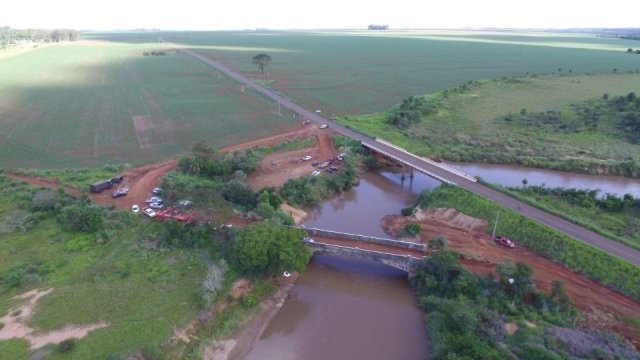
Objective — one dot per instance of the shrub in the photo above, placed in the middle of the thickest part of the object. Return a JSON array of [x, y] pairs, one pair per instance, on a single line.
[[408, 211], [240, 194], [412, 229], [66, 346]]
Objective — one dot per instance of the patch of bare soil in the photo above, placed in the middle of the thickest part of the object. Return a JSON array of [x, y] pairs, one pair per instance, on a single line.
[[601, 307], [16, 319], [276, 169], [299, 216]]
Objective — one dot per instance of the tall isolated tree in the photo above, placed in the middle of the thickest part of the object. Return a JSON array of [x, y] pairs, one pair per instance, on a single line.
[[262, 60]]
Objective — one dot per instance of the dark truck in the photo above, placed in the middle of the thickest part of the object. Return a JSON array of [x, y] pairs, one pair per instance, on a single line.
[[98, 186]]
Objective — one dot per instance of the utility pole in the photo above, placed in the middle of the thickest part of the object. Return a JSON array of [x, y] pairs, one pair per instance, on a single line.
[[495, 225]]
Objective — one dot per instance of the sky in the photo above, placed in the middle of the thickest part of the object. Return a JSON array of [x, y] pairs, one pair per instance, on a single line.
[[325, 14]]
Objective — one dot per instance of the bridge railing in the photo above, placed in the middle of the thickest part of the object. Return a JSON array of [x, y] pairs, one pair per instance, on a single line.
[[424, 171], [367, 239], [441, 166], [402, 262]]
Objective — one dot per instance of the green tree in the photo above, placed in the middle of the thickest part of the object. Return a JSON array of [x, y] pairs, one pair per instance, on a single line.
[[239, 193], [86, 217], [264, 247], [262, 60]]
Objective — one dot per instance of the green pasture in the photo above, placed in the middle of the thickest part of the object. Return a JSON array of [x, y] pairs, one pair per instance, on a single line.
[[360, 72], [76, 105], [468, 125], [142, 292]]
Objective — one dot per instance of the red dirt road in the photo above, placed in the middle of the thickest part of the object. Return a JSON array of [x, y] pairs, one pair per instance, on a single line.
[[601, 307], [140, 181]]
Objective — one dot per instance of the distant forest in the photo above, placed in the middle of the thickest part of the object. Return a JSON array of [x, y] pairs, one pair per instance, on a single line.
[[11, 37]]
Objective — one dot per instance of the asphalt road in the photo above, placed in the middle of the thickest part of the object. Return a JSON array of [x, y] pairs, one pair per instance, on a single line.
[[624, 252]]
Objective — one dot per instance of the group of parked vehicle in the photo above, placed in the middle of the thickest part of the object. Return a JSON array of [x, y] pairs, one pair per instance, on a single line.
[[325, 164]]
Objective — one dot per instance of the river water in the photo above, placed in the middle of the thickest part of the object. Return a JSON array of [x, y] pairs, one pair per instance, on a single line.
[[507, 175], [353, 309], [346, 309]]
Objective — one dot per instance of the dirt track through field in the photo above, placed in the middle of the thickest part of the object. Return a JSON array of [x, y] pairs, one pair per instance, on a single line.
[[602, 308]]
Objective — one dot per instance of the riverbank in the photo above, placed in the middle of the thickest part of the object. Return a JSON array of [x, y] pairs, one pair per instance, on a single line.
[[251, 329], [601, 307]]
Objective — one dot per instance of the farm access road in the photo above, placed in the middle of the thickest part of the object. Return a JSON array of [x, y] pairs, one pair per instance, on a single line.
[[589, 237]]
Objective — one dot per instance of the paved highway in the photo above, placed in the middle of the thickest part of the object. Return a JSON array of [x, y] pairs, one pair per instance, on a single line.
[[624, 252]]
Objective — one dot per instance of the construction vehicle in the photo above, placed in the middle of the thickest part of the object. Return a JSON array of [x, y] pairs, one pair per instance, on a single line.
[[98, 186]]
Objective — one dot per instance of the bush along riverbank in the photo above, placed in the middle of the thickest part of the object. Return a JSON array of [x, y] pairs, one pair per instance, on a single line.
[[597, 265], [502, 316]]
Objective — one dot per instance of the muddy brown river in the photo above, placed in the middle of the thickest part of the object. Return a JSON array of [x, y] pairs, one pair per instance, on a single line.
[[344, 308]]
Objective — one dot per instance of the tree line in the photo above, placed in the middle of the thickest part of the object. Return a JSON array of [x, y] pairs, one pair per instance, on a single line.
[[9, 37]]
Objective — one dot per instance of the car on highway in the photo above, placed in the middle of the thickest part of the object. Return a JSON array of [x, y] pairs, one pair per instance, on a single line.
[[324, 126], [306, 158], [149, 212], [504, 241], [119, 192]]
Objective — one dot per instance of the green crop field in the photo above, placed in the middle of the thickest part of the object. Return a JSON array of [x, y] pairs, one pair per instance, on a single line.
[[94, 103], [359, 72], [101, 101]]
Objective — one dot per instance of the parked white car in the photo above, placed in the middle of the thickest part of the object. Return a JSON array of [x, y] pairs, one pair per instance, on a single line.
[[315, 173], [306, 158], [135, 209], [149, 212], [324, 126]]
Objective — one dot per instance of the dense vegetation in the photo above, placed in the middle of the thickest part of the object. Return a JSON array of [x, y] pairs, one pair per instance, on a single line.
[[10, 36], [466, 314], [109, 265], [587, 124], [309, 190], [611, 216], [577, 256], [209, 174]]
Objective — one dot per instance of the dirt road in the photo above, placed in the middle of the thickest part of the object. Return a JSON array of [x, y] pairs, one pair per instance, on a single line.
[[140, 181], [601, 307]]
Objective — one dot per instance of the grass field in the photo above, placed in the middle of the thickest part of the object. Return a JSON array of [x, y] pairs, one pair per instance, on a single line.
[[141, 292], [360, 72], [122, 275], [98, 102], [94, 103], [467, 125]]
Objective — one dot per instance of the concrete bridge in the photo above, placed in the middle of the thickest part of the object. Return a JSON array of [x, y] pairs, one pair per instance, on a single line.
[[403, 255], [436, 170], [403, 262]]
